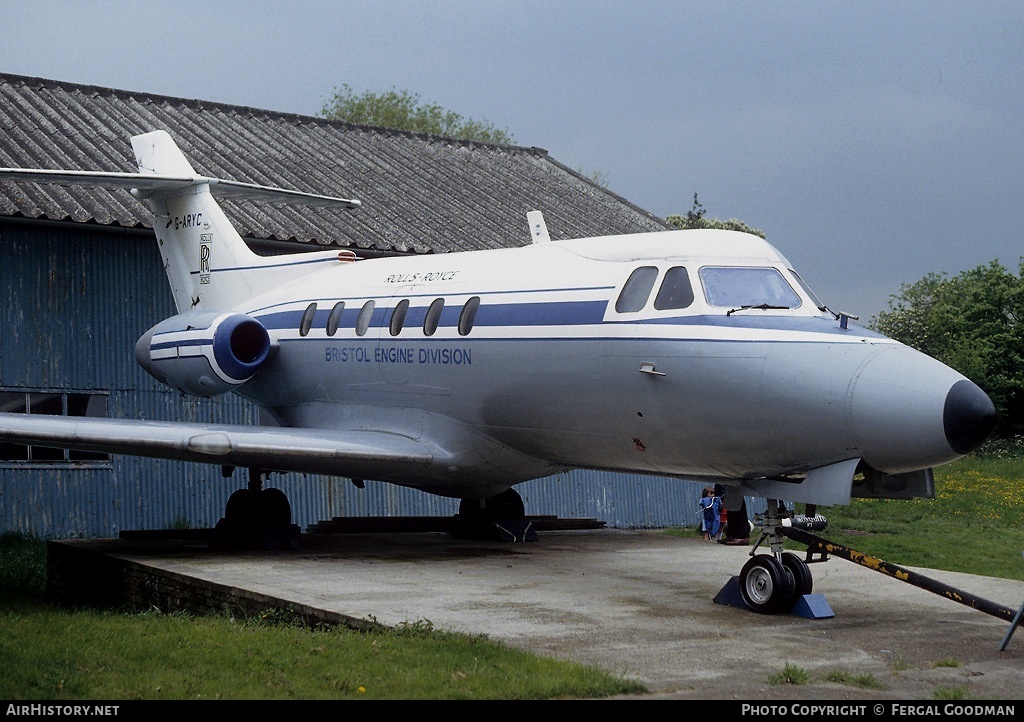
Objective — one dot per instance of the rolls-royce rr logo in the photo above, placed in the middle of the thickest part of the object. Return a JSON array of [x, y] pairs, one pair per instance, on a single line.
[[205, 242]]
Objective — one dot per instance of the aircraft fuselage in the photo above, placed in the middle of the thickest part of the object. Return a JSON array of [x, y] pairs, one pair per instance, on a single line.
[[551, 369]]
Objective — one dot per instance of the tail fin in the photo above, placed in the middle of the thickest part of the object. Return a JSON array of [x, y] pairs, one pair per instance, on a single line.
[[208, 264], [197, 242], [157, 154]]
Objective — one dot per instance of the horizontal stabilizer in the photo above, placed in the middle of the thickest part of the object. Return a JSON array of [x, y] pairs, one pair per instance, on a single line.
[[144, 185]]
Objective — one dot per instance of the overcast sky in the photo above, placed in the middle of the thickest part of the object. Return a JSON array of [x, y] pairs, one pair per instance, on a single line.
[[873, 142]]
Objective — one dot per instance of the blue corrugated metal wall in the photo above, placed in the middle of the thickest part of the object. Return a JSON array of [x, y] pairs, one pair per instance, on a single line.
[[628, 501], [75, 302]]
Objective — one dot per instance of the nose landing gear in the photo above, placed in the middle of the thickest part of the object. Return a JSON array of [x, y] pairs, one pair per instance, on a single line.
[[772, 583]]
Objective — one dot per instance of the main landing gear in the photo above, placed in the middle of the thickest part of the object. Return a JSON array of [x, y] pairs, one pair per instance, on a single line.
[[772, 583], [501, 518], [255, 517]]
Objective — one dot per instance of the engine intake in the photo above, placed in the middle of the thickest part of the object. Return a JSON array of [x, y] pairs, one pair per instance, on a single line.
[[204, 354]]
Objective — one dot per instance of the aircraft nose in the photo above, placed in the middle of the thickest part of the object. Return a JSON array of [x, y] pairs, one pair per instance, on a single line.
[[968, 416], [908, 411]]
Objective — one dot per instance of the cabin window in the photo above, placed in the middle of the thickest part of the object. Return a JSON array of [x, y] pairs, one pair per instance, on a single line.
[[307, 319], [468, 315], [398, 317], [747, 287], [334, 319], [675, 291], [433, 317], [637, 289], [55, 403], [365, 314]]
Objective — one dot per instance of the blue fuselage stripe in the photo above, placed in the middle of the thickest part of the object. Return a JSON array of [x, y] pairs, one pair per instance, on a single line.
[[159, 345], [551, 313]]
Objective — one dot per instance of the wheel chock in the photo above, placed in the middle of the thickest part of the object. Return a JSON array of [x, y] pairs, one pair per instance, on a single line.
[[514, 530], [809, 606], [812, 606], [730, 595]]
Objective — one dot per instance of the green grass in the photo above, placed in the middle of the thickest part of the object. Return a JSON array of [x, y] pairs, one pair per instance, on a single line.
[[64, 654], [52, 653], [862, 681], [973, 525], [56, 653], [796, 675], [790, 674]]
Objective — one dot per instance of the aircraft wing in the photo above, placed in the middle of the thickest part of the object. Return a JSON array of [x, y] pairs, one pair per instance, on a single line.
[[317, 451]]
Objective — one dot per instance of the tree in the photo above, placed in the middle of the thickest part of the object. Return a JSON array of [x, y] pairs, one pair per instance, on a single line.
[[596, 177], [694, 218], [972, 322], [405, 111]]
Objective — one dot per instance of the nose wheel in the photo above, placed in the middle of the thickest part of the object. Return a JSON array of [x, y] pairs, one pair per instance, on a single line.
[[769, 585], [772, 583], [803, 583], [766, 585]]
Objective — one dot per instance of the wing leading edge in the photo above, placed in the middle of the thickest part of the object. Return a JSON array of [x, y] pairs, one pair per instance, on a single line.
[[357, 453]]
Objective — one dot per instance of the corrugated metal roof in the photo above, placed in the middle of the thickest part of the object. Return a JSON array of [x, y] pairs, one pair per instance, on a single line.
[[420, 193]]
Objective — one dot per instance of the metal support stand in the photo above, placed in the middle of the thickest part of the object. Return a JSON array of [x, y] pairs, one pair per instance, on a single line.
[[1013, 625]]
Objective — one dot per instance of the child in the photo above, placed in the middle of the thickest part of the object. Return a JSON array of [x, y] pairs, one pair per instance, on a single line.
[[711, 506]]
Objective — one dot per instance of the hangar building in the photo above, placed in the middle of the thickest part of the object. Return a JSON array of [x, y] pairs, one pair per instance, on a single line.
[[82, 280]]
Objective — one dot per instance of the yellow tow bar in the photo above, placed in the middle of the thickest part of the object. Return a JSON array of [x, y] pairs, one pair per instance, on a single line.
[[824, 547]]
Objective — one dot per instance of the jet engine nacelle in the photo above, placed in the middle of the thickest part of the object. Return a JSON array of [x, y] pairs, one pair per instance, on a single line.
[[204, 354]]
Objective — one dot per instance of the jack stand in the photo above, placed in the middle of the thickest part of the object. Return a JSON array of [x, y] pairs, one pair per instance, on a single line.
[[1013, 625]]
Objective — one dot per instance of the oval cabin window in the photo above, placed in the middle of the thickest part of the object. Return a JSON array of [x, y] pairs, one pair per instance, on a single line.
[[307, 319], [433, 317], [398, 317], [468, 316], [334, 319], [365, 314]]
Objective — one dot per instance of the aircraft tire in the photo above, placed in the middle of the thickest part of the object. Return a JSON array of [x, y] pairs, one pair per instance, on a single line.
[[507, 505], [258, 508], [240, 506], [274, 508], [804, 582], [766, 585]]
